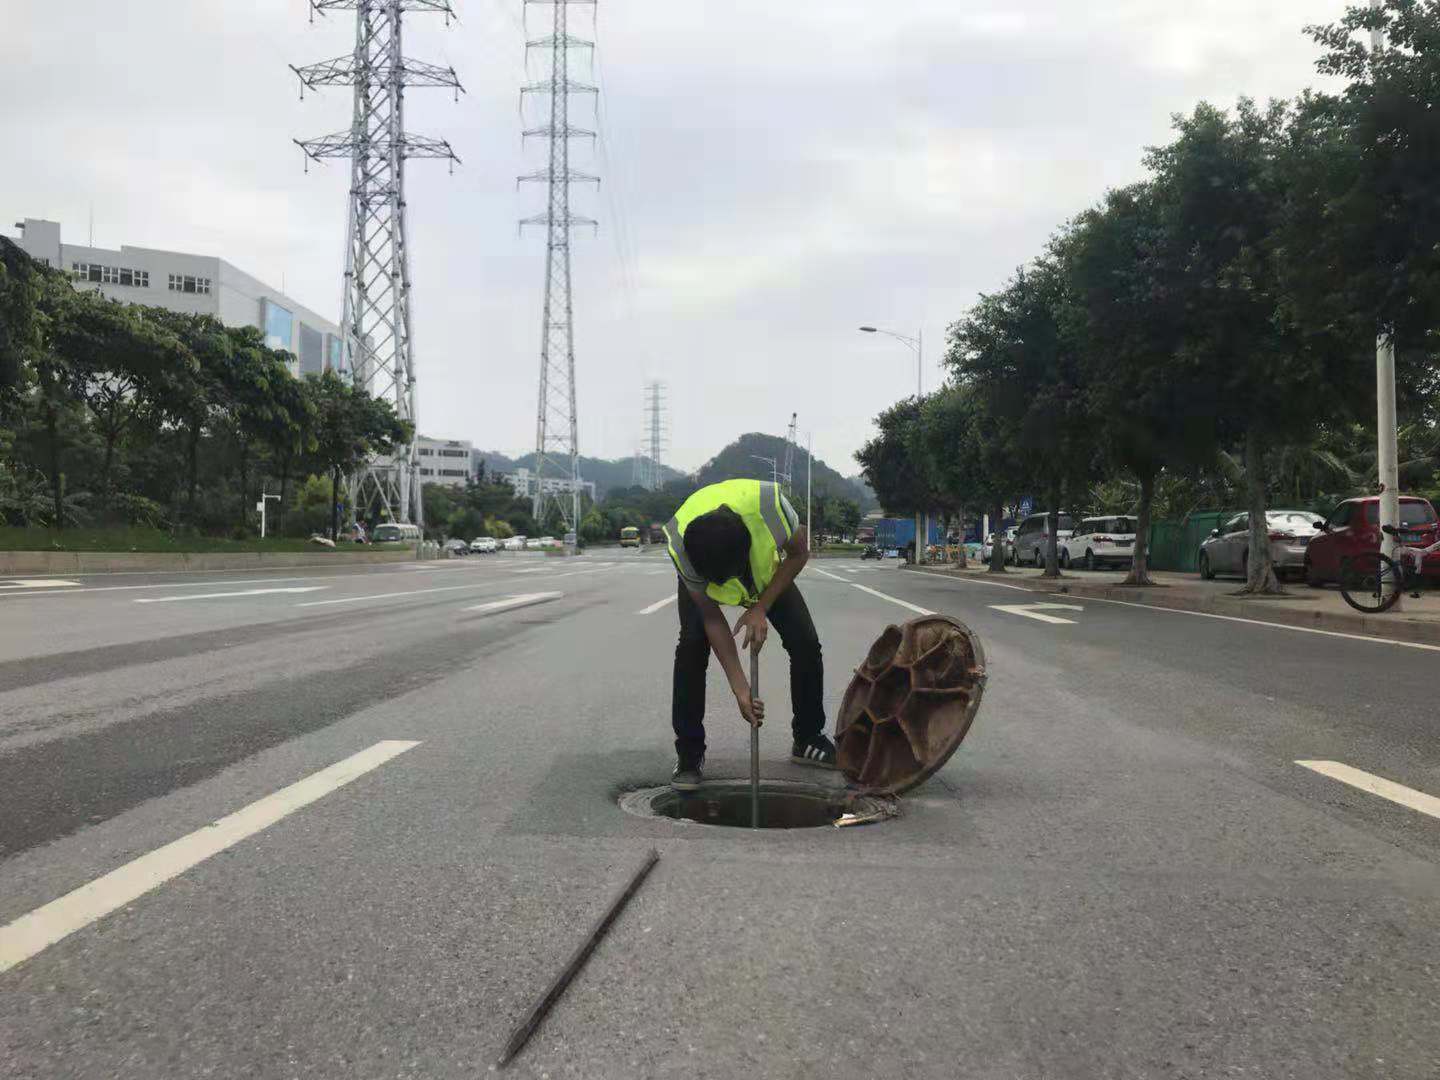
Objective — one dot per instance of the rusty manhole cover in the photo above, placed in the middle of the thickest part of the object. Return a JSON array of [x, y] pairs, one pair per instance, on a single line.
[[910, 704]]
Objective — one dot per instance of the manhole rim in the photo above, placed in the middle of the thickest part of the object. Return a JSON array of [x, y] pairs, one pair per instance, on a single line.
[[876, 807]]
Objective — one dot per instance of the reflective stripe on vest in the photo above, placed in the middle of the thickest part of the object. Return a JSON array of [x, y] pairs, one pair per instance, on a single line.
[[757, 503]]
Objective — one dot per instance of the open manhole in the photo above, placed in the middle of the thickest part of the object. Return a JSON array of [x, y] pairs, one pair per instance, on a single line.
[[783, 805]]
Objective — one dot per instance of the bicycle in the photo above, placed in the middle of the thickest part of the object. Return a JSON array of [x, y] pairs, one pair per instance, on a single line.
[[1373, 581]]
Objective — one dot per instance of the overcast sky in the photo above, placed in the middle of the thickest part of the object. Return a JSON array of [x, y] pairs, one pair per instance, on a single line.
[[774, 176]]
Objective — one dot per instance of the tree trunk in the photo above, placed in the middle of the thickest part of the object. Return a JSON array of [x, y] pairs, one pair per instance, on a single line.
[[335, 505], [192, 472], [1260, 576], [244, 482], [112, 435], [1140, 560], [57, 479], [284, 496], [997, 553], [1052, 537], [960, 536]]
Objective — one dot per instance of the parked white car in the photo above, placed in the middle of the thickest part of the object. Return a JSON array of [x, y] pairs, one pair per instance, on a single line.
[[482, 544], [1098, 542], [514, 543]]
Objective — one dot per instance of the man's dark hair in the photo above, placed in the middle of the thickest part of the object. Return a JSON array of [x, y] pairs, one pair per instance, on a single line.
[[718, 545]]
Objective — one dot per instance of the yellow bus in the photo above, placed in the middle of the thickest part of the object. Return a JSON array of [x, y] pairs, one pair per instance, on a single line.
[[629, 536]]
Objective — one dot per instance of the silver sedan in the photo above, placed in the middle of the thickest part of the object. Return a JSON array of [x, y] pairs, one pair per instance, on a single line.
[[1227, 549]]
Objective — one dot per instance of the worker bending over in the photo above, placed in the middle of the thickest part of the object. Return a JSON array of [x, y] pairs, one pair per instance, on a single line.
[[740, 543]]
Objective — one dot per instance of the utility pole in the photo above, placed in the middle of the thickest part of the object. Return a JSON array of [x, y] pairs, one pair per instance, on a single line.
[[809, 456], [1388, 456], [790, 452], [774, 467], [377, 336], [557, 440], [653, 435]]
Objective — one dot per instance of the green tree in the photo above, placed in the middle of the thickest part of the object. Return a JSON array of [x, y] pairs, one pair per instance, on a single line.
[[351, 426], [889, 465]]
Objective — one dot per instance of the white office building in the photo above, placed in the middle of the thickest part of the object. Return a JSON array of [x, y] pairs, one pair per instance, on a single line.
[[523, 481], [194, 284], [444, 461]]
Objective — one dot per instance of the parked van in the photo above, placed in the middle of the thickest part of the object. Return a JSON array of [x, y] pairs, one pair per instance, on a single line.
[[1031, 537]]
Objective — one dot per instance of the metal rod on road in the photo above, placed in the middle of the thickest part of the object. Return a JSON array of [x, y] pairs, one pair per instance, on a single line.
[[542, 1007], [754, 740]]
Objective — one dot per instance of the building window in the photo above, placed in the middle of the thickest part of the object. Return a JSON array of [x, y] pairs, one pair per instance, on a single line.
[[427, 472], [426, 453], [454, 453], [187, 283], [453, 472], [110, 275]]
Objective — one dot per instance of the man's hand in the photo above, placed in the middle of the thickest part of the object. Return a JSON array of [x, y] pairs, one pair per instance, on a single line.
[[755, 627], [752, 709]]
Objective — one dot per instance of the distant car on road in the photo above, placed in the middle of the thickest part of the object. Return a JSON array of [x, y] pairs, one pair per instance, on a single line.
[[514, 543], [1354, 526], [1032, 536], [1098, 542], [870, 551], [455, 548], [1227, 549], [482, 544]]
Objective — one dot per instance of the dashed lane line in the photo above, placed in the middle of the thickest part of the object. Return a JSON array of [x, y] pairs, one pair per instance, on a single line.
[[893, 599], [226, 595], [659, 604], [1376, 785], [512, 602], [57, 920]]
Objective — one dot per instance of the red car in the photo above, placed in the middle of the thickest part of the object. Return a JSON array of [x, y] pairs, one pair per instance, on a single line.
[[1354, 526]]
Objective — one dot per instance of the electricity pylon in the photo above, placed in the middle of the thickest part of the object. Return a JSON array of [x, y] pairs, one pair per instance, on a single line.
[[654, 435], [790, 451], [377, 350], [557, 443]]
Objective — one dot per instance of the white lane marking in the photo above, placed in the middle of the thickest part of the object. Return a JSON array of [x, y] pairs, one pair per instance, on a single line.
[[893, 599], [1224, 618], [410, 568], [226, 595], [524, 600], [1037, 611], [1376, 785], [659, 604], [37, 583], [53, 922], [490, 584], [832, 577]]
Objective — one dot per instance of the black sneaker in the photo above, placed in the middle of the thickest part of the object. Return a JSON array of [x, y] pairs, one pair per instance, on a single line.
[[818, 751], [687, 776]]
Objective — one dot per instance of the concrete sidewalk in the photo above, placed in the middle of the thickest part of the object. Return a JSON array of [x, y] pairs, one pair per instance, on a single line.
[[1317, 609]]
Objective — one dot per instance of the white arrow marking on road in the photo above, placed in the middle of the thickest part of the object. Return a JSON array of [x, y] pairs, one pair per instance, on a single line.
[[223, 595], [516, 601], [659, 604], [1036, 611], [36, 583], [1376, 785], [60, 918]]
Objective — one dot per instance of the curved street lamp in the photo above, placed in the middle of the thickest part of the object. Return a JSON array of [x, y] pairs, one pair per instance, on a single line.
[[916, 345]]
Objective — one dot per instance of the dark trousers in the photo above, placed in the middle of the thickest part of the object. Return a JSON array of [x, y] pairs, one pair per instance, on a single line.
[[791, 619]]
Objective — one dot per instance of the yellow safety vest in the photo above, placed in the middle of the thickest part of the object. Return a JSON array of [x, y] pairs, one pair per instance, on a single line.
[[758, 504]]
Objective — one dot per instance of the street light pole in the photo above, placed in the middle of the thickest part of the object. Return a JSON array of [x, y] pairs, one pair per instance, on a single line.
[[1388, 456], [809, 456], [917, 345], [774, 467], [261, 507]]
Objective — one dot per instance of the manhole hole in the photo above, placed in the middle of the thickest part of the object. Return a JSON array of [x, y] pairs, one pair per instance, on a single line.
[[783, 805]]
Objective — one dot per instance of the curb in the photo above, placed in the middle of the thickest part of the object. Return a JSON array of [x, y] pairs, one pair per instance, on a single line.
[[118, 562], [1384, 627]]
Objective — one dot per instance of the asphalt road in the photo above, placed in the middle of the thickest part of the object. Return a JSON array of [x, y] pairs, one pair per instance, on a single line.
[[1123, 872]]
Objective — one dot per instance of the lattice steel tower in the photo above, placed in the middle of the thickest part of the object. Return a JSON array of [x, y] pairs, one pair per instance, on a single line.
[[557, 450], [654, 436], [786, 474], [377, 349]]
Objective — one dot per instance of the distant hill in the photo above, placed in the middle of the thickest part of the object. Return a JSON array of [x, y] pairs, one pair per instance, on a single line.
[[604, 473], [737, 461]]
